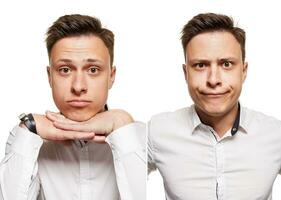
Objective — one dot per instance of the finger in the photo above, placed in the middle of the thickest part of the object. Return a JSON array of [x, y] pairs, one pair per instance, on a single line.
[[73, 127], [73, 135], [58, 117], [53, 116], [57, 114], [99, 139]]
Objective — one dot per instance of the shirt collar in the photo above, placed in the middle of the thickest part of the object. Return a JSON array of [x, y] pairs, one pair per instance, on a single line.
[[239, 121], [195, 118], [243, 120], [236, 123]]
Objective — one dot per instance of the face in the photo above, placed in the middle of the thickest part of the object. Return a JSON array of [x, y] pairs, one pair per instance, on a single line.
[[214, 72], [80, 76]]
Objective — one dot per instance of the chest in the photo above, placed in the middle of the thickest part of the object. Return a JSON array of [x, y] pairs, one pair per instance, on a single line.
[[199, 167], [77, 173]]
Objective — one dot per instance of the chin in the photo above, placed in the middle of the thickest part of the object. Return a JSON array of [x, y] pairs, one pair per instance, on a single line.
[[79, 117], [214, 110], [215, 113]]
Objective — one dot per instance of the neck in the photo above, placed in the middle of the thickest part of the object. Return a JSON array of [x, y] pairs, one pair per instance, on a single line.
[[222, 123]]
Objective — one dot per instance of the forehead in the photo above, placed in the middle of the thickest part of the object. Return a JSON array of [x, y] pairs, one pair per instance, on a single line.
[[217, 44], [79, 47]]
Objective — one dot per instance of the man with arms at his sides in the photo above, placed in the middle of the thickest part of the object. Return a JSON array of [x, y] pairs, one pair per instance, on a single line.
[[215, 149], [106, 161]]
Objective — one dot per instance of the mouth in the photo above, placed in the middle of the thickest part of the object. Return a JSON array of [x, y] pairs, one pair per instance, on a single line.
[[78, 103], [214, 94]]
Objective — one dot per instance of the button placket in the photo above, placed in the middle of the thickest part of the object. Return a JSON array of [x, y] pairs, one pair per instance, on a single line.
[[220, 170], [85, 192]]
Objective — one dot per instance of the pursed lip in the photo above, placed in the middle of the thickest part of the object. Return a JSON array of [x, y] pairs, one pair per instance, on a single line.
[[214, 94], [78, 103]]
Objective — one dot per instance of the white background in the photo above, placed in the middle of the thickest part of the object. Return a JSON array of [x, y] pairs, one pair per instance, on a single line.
[[148, 56]]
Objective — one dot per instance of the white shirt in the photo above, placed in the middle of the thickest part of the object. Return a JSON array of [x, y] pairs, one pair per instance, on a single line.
[[198, 165], [90, 171]]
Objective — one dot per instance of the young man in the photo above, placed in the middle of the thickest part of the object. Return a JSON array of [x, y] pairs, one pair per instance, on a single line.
[[106, 161], [215, 149]]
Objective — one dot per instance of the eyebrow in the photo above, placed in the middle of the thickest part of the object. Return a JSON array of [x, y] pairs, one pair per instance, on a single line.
[[227, 58], [92, 60], [206, 60], [66, 60], [198, 60]]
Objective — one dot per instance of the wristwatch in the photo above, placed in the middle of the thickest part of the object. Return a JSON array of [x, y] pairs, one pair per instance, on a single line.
[[29, 122]]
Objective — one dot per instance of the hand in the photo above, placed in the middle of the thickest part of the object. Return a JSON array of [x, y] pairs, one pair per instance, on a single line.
[[102, 124], [48, 131]]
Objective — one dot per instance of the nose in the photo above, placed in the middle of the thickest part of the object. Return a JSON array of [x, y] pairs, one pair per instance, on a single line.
[[79, 84], [214, 77]]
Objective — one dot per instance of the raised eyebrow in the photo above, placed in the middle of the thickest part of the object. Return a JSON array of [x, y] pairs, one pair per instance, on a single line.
[[198, 61], [64, 60], [91, 60], [227, 59]]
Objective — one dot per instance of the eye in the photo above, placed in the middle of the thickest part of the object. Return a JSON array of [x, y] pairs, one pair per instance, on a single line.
[[226, 64], [199, 65], [64, 70], [93, 70]]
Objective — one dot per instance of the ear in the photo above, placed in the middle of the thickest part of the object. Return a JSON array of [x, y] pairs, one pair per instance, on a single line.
[[184, 66], [112, 76], [245, 70], [49, 75]]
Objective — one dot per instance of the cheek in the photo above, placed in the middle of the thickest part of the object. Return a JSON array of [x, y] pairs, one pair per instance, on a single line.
[[195, 83], [59, 90], [234, 80], [196, 80], [98, 88]]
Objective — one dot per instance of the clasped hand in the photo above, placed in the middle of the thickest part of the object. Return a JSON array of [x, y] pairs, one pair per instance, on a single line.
[[54, 126]]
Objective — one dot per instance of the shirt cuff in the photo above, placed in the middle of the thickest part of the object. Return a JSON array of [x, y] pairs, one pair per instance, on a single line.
[[26, 143], [127, 139]]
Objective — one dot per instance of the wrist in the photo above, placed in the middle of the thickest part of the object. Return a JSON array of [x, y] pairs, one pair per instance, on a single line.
[[121, 118], [22, 125], [28, 122]]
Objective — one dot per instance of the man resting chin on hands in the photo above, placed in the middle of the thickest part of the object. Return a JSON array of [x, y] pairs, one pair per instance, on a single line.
[[86, 151]]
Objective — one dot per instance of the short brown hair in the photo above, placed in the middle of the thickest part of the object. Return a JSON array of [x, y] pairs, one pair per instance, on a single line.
[[76, 25], [209, 22]]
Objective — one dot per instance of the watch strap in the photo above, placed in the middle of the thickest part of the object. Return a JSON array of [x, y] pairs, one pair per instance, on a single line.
[[29, 122]]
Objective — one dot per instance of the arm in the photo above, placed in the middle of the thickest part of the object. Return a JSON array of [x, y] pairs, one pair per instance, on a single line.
[[18, 169], [128, 148]]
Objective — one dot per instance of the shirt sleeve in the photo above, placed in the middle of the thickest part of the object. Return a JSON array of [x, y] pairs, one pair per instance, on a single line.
[[150, 160], [129, 154], [18, 169]]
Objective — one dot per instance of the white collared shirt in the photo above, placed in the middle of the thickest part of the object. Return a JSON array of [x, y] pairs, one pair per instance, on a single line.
[[36, 169], [198, 165]]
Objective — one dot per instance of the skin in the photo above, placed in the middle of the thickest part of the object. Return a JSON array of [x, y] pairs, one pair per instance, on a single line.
[[80, 76], [215, 72], [80, 67]]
